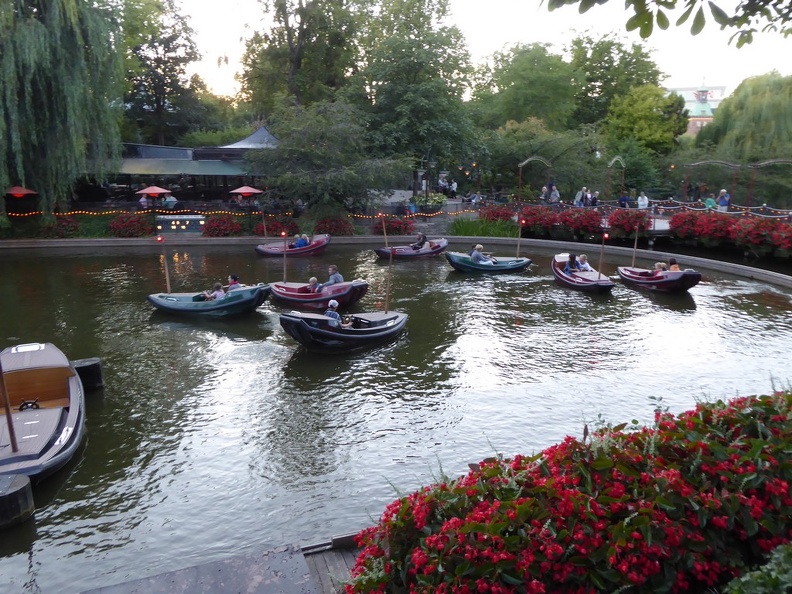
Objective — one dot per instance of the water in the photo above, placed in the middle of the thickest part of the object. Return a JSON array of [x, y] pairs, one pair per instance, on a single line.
[[215, 438]]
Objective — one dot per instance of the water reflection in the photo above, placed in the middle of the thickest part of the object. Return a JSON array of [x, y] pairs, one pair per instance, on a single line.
[[213, 436]]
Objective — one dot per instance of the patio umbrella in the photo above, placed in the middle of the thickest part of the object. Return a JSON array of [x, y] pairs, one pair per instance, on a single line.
[[19, 192], [153, 191], [246, 191]]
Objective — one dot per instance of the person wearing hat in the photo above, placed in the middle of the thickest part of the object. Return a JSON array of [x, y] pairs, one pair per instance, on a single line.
[[477, 256], [335, 318], [233, 282]]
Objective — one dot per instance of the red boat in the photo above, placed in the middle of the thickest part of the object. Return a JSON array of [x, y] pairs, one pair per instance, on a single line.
[[431, 248], [299, 296], [588, 282], [277, 248], [666, 281]]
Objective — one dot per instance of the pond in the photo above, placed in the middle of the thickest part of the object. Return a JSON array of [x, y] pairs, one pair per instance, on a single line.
[[217, 438]]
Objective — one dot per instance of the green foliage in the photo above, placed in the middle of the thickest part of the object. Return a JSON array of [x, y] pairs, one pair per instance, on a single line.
[[215, 137], [430, 199], [772, 578], [483, 228], [640, 171]]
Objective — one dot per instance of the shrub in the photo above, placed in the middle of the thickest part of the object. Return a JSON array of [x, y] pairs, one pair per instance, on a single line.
[[782, 237], [581, 221], [683, 506], [753, 234], [538, 220], [623, 221], [683, 224], [496, 213], [431, 199], [222, 225], [772, 578], [395, 226], [277, 226], [130, 224], [62, 227], [713, 228], [335, 226]]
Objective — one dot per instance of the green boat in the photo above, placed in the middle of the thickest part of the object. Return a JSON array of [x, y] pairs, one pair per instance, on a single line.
[[463, 263], [237, 301]]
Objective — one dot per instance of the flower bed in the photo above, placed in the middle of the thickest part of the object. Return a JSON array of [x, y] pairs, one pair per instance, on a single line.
[[394, 226], [221, 226], [581, 221], [539, 220], [335, 226], [623, 221], [131, 225], [682, 506], [276, 227], [496, 213]]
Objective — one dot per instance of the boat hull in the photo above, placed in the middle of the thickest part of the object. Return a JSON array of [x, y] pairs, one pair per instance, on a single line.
[[316, 247], [48, 432], [314, 332], [587, 282], [236, 302], [463, 263], [406, 252], [679, 281], [297, 295]]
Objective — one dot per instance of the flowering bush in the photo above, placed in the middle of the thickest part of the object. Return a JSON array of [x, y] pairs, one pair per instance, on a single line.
[[782, 237], [277, 226], [683, 506], [713, 228], [430, 199], [62, 227], [496, 213], [222, 225], [538, 220], [581, 221], [335, 226], [131, 224], [753, 234], [683, 223], [394, 226], [623, 221]]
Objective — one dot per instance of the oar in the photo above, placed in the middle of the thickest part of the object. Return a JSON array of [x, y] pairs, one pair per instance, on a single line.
[[602, 252], [161, 239], [387, 290], [384, 231], [9, 418], [635, 247], [285, 247], [520, 223]]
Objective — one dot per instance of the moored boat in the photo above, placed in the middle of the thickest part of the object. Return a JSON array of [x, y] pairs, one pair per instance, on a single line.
[[237, 301], [463, 263], [48, 410], [277, 248], [404, 252], [589, 281], [300, 296], [317, 333], [665, 281]]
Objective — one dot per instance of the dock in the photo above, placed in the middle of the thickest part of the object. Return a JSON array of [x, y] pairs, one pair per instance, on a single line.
[[321, 568]]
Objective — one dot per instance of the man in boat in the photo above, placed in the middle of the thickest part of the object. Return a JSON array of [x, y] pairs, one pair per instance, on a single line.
[[420, 242], [335, 317], [477, 256], [334, 277], [233, 282]]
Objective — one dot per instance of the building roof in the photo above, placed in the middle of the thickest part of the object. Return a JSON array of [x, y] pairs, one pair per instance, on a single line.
[[180, 167]]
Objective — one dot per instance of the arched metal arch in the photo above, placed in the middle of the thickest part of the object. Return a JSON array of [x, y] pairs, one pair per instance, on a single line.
[[531, 159]]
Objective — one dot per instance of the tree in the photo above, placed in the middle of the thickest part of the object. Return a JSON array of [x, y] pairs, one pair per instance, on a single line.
[[322, 157], [649, 116], [59, 92], [527, 81], [746, 18], [610, 69]]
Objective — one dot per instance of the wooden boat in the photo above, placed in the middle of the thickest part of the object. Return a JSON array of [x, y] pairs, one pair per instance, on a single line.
[[317, 245], [236, 302], [463, 263], [431, 248], [299, 296], [48, 410], [589, 282], [315, 332], [666, 281]]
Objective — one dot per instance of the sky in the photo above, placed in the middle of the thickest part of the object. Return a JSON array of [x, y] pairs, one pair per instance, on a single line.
[[706, 59]]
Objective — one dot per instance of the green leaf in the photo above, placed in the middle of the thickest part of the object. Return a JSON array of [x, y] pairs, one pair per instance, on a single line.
[[602, 463], [686, 15], [698, 22], [718, 14], [662, 20], [510, 579], [633, 22]]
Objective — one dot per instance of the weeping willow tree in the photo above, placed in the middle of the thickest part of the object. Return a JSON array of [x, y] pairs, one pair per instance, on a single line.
[[59, 94]]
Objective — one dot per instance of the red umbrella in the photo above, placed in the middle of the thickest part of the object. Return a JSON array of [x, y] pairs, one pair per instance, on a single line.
[[19, 192], [246, 191], [153, 191]]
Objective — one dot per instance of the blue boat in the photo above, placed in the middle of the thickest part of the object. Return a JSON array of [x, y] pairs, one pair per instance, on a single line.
[[236, 302], [463, 263]]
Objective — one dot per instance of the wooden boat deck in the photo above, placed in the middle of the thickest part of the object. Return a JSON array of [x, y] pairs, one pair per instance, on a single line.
[[34, 430]]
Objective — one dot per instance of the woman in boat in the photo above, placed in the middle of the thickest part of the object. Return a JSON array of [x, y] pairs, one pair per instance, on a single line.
[[420, 242], [301, 241], [335, 317], [672, 265], [233, 282], [216, 293], [477, 256], [334, 277], [572, 265], [583, 264]]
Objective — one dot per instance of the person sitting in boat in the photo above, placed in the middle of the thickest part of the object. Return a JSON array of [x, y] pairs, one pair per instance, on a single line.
[[293, 242], [312, 284], [673, 266], [572, 265], [300, 241], [583, 264], [233, 282], [216, 293], [335, 317], [660, 268], [420, 242], [304, 241], [334, 277], [477, 256]]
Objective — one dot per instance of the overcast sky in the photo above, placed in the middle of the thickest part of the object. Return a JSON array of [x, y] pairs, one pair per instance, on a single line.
[[489, 26]]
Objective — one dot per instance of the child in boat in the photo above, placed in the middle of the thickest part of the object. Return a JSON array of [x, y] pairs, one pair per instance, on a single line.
[[312, 284], [583, 264], [660, 268], [216, 293], [672, 265], [335, 317]]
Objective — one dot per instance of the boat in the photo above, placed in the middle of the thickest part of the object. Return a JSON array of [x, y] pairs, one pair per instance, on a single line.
[[666, 281], [47, 404], [588, 282], [315, 332], [299, 295], [431, 248], [237, 301], [463, 263], [277, 248]]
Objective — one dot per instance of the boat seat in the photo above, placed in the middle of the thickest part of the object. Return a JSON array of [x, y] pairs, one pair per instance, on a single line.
[[44, 384]]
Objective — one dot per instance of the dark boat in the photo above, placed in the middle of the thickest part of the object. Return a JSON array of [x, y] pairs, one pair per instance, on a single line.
[[431, 248], [299, 295], [48, 410], [589, 282], [463, 263], [277, 248], [236, 302], [666, 281], [315, 332]]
